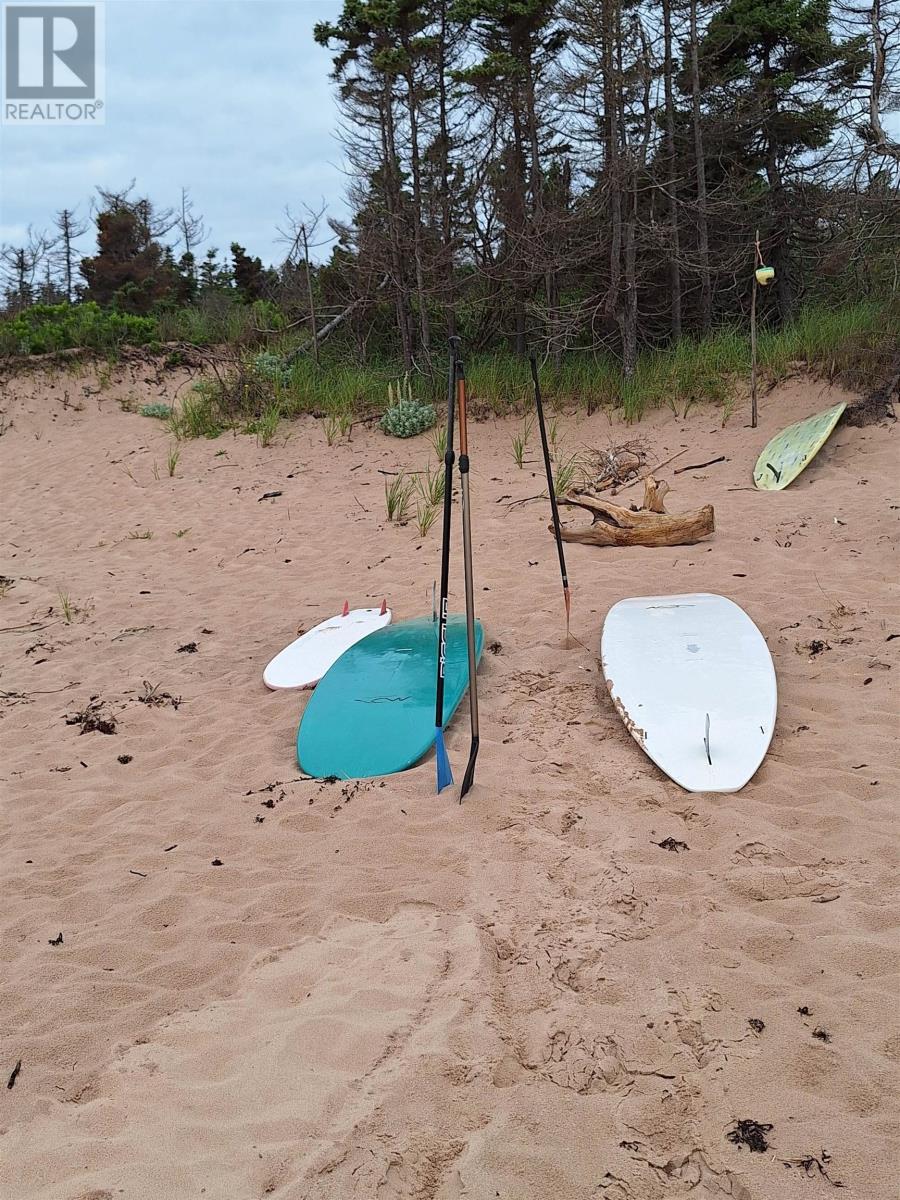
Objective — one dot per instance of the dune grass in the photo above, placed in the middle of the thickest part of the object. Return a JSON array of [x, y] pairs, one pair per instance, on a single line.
[[259, 389]]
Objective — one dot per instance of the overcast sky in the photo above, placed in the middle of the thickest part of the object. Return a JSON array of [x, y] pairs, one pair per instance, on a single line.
[[229, 98]]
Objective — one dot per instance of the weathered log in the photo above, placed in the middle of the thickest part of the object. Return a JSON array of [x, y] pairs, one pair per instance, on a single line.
[[650, 525]]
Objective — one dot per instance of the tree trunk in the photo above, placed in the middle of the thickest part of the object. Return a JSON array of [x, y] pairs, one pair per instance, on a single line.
[[671, 177], [629, 318], [702, 223], [309, 294], [392, 204], [614, 525], [612, 173], [446, 218], [424, 331]]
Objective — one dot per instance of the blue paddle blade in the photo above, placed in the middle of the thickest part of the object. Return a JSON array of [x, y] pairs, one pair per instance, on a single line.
[[444, 774]]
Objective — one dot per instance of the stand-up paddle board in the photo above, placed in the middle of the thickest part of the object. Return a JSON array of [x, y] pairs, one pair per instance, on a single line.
[[792, 450], [692, 679], [303, 663], [373, 713]]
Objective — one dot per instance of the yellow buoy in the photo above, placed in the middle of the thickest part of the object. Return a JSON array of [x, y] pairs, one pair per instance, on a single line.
[[764, 275]]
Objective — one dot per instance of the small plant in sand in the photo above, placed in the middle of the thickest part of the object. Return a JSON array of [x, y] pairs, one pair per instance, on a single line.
[[564, 475], [338, 425], [137, 536], [172, 460], [69, 609], [197, 416], [397, 495], [520, 443], [439, 442], [430, 486], [266, 424], [162, 412], [553, 437], [182, 532], [405, 417], [426, 514], [154, 697], [6, 586]]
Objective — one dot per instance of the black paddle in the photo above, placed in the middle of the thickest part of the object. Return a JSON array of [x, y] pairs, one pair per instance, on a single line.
[[469, 776], [444, 772], [551, 488]]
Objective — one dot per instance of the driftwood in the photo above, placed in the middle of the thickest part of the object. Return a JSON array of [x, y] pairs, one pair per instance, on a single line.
[[651, 525]]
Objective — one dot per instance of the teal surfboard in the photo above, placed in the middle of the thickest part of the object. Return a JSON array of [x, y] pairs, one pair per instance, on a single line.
[[373, 711]]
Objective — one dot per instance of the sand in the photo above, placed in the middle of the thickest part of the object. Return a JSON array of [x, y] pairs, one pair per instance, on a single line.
[[268, 986]]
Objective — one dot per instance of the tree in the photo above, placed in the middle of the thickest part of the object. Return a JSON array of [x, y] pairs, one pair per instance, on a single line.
[[21, 266], [131, 269], [69, 229], [516, 43], [190, 226], [250, 279], [777, 78]]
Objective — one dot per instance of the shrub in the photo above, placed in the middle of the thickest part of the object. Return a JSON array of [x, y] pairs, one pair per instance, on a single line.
[[161, 411], [405, 417], [45, 328]]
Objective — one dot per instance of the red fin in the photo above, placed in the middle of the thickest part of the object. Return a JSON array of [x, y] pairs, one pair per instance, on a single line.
[[345, 612], [384, 607]]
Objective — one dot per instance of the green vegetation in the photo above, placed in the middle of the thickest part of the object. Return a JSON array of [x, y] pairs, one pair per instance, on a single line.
[[265, 426], [161, 411], [49, 328], [520, 443], [261, 388], [199, 413], [426, 514], [397, 494], [45, 328], [854, 343], [431, 486], [405, 416]]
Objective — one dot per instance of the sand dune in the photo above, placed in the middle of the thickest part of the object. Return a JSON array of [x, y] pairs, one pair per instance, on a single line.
[[376, 992]]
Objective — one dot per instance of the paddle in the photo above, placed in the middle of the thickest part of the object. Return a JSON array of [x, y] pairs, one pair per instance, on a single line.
[[444, 773], [469, 776], [551, 487]]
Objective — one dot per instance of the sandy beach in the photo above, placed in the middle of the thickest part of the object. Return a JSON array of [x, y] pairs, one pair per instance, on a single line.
[[221, 980]]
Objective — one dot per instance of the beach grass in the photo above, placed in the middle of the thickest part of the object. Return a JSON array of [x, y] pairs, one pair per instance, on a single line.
[[253, 389]]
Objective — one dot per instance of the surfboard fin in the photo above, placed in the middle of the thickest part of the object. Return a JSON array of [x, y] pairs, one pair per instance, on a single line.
[[383, 610], [444, 772], [706, 742], [345, 611]]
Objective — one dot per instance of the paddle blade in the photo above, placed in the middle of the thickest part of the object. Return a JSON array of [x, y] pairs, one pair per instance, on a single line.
[[444, 773], [469, 777]]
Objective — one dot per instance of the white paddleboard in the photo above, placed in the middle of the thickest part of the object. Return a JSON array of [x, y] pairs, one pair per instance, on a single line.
[[693, 680], [303, 663]]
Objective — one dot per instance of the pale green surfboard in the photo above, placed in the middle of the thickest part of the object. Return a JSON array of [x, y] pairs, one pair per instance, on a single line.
[[373, 711], [790, 451]]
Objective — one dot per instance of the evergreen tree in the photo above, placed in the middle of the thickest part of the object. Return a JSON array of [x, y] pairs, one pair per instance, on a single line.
[[776, 79]]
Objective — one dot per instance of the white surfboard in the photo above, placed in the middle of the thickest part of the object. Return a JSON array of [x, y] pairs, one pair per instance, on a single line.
[[693, 680], [303, 663]]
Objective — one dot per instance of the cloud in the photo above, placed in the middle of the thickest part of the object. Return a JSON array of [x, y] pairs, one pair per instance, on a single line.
[[228, 98]]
